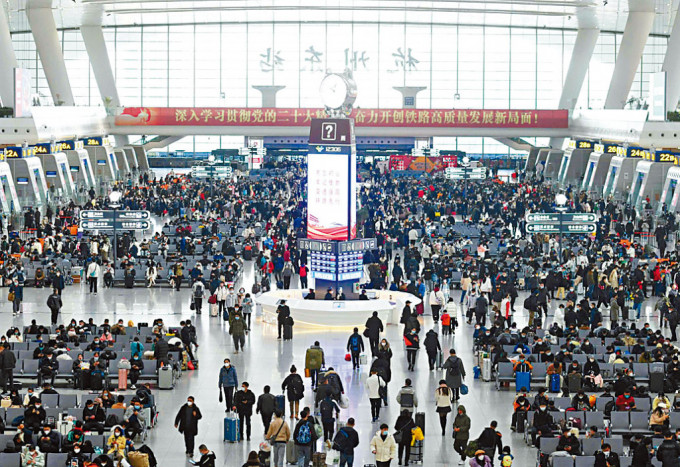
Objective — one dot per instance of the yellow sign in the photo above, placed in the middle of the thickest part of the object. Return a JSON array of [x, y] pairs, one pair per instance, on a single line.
[[572, 144]]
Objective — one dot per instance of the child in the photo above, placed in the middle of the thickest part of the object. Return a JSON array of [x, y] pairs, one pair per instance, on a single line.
[[446, 322], [505, 457]]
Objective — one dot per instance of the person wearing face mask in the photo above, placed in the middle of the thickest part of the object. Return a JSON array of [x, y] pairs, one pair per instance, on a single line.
[[136, 417], [32, 457], [116, 443], [228, 380], [244, 400], [412, 342], [480, 459], [186, 422], [383, 447], [569, 443], [94, 417], [592, 374], [76, 458], [543, 422], [625, 402], [136, 367], [34, 415], [237, 329], [639, 448], [48, 440], [490, 440], [669, 451]]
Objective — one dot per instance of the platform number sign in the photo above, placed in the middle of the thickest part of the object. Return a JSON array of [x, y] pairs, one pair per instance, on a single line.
[[328, 131]]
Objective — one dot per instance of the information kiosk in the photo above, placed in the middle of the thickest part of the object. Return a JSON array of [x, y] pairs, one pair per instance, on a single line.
[[79, 164], [574, 163], [102, 159], [597, 168], [28, 176], [552, 164], [621, 171], [650, 176]]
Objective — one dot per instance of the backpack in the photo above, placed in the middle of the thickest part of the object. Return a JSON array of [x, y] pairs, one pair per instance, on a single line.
[[111, 420], [406, 399], [199, 290], [609, 406], [340, 439], [354, 343], [304, 435], [326, 410], [297, 387], [507, 461]]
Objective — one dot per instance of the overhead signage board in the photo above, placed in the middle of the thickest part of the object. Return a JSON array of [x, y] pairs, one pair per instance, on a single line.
[[45, 148], [661, 155], [18, 152], [349, 246], [633, 152], [461, 173], [111, 224], [580, 144], [221, 172], [607, 148], [70, 145], [96, 141], [566, 217], [110, 214], [565, 228]]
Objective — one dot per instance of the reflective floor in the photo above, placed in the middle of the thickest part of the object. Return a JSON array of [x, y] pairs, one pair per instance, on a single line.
[[267, 360]]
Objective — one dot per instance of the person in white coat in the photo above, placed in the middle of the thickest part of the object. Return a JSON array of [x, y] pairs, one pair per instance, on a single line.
[[506, 310], [373, 384], [383, 447], [92, 274], [221, 296], [151, 274]]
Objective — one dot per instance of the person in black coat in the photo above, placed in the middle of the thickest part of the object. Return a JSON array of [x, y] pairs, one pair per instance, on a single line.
[[266, 405], [244, 400], [374, 326], [161, 351], [669, 451], [639, 447], [186, 422], [607, 458], [490, 439], [207, 457], [8, 361], [432, 347], [404, 425]]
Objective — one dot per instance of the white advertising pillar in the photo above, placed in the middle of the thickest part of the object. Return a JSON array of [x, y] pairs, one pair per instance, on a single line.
[[671, 65], [9, 63]]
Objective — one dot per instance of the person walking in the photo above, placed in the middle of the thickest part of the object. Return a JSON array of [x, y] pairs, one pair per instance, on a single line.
[[227, 381], [355, 345], [455, 373], [197, 293], [314, 361], [295, 387], [412, 342], [383, 447], [54, 303], [668, 451], [461, 433], [436, 303], [186, 422], [403, 427], [304, 437], [373, 384], [237, 329], [93, 272], [490, 439], [278, 435], [266, 405], [244, 400], [16, 296], [432, 347], [328, 408], [345, 441], [443, 397], [8, 361], [481, 459], [374, 326], [407, 397]]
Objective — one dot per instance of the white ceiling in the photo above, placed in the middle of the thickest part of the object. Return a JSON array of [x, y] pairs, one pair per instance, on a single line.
[[528, 13]]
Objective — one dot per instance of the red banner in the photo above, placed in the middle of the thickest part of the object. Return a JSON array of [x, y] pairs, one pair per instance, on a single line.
[[406, 118], [428, 164]]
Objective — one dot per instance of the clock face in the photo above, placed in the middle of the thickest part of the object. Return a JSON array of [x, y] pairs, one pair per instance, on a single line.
[[333, 91]]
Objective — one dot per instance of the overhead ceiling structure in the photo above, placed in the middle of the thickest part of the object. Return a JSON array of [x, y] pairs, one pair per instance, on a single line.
[[611, 14]]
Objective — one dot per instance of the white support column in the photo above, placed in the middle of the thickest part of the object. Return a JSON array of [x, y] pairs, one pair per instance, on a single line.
[[9, 63], [408, 94], [268, 95], [638, 27], [44, 29], [586, 38], [671, 65], [93, 37]]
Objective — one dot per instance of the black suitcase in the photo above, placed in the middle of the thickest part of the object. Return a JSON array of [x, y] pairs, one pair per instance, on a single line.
[[420, 421], [129, 281], [287, 332], [574, 382], [521, 421], [624, 313], [656, 382], [247, 254], [96, 381], [281, 403]]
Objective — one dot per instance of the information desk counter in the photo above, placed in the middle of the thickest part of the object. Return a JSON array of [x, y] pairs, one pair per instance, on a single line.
[[331, 313]]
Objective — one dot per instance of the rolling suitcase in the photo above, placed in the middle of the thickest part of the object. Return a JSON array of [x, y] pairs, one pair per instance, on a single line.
[[287, 332], [122, 379], [486, 369], [439, 361], [363, 359], [420, 421], [554, 383], [656, 380], [281, 403], [291, 452], [97, 381], [213, 310], [521, 421], [417, 453], [231, 432], [523, 380], [574, 382], [166, 378]]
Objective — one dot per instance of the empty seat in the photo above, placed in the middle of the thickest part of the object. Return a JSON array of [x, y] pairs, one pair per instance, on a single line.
[[639, 422], [50, 400], [56, 459], [10, 459], [548, 445], [562, 403], [643, 404], [30, 368], [620, 422], [584, 461], [67, 401], [595, 419], [563, 461], [591, 445]]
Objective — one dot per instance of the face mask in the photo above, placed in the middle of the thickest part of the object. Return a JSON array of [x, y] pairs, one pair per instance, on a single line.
[[117, 434], [37, 406], [543, 408], [236, 317], [137, 407], [76, 451], [606, 453], [480, 458], [189, 403], [227, 365], [47, 432]]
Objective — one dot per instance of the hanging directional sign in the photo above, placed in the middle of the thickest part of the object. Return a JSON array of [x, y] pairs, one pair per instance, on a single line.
[[462, 173], [111, 224], [97, 224], [566, 217], [566, 228], [120, 215]]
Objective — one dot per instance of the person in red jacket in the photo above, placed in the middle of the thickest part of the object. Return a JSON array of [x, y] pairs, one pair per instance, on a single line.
[[625, 402]]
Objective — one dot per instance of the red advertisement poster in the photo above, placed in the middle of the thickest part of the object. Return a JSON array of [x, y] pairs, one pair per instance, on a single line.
[[422, 163], [404, 118]]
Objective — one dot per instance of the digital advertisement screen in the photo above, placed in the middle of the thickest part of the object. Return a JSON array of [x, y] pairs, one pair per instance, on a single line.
[[75, 168], [22, 180], [101, 161], [329, 183], [50, 173]]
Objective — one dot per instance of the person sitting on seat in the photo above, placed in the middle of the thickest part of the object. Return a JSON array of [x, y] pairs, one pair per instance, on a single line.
[[39, 278], [625, 402], [569, 442]]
